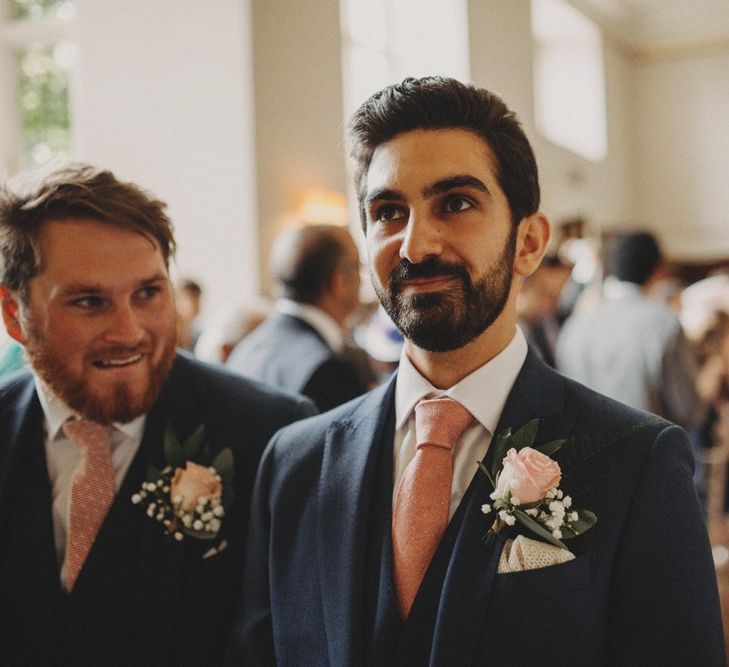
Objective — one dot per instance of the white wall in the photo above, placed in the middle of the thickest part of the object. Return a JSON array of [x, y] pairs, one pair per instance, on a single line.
[[501, 60], [298, 108], [165, 100], [681, 152]]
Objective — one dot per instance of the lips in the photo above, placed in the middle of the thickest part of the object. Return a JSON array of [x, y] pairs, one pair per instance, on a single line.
[[117, 363]]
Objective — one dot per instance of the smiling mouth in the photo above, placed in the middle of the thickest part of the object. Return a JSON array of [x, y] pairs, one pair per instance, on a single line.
[[425, 284], [117, 363]]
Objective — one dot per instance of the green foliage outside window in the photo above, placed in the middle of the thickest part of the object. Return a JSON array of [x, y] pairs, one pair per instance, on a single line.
[[34, 10], [43, 86]]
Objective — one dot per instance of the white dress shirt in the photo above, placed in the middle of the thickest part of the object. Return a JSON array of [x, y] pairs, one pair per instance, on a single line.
[[63, 456], [483, 393], [323, 323]]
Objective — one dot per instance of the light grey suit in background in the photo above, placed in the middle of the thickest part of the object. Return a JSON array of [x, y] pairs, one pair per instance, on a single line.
[[632, 348]]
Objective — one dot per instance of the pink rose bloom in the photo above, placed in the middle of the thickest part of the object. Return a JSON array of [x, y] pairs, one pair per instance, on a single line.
[[527, 475], [192, 483]]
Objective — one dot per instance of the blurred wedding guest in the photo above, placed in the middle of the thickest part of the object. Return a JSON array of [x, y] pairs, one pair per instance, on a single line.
[[382, 341], [537, 306], [118, 545], [226, 329], [705, 317], [629, 346], [302, 347], [188, 302], [11, 353]]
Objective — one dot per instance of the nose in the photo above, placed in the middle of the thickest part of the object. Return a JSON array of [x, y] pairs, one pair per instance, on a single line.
[[124, 326], [422, 239]]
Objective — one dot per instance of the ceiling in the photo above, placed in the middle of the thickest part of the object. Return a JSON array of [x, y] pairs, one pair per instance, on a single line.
[[663, 27]]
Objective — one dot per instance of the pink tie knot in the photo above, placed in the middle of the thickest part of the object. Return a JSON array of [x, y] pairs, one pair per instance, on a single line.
[[440, 422], [89, 436]]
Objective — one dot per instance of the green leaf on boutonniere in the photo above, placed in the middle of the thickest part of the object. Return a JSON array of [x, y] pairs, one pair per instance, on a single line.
[[524, 437], [173, 450], [537, 528], [552, 447], [153, 473], [585, 520], [224, 465], [193, 446]]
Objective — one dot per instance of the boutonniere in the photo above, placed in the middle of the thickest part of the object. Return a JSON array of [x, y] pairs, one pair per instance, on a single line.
[[189, 496], [526, 489]]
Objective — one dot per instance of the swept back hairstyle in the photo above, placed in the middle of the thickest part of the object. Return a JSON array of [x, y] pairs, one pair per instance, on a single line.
[[434, 103], [73, 190], [303, 260]]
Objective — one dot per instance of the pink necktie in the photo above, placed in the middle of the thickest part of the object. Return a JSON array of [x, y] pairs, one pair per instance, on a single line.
[[92, 492], [420, 514]]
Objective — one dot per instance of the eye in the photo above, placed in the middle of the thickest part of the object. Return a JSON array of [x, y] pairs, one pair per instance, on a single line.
[[387, 213], [89, 302], [456, 204], [149, 292]]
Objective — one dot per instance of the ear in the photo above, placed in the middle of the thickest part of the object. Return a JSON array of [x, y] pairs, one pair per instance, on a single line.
[[11, 314], [338, 286], [532, 239]]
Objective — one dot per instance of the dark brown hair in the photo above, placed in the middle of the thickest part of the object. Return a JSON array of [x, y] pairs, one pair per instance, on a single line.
[[433, 103], [72, 191]]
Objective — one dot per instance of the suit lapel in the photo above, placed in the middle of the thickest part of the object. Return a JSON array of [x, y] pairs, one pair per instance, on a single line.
[[343, 504], [25, 485], [537, 392]]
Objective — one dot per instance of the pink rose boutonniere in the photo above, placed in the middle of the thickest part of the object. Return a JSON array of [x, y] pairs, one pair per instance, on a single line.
[[187, 496], [526, 489]]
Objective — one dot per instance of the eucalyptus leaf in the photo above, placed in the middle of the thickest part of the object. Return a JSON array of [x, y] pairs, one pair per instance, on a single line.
[[524, 437], [526, 521], [549, 448], [194, 444], [153, 474], [173, 450]]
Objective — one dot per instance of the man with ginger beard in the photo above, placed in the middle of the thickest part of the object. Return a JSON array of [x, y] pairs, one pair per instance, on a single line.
[[375, 537], [125, 468]]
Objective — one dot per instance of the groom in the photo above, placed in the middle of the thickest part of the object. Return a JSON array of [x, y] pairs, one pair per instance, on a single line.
[[366, 541]]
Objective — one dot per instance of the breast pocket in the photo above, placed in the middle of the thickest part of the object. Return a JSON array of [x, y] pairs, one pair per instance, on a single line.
[[544, 582]]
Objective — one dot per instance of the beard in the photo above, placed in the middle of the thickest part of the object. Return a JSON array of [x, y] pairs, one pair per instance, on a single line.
[[449, 319], [120, 403]]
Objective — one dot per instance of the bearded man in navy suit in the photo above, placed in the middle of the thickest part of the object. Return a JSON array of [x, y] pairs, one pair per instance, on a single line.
[[85, 288], [449, 197]]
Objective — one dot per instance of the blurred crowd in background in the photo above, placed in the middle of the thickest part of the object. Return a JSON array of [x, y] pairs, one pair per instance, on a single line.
[[611, 313]]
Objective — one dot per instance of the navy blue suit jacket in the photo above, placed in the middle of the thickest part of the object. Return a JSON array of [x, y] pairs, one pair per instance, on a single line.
[[287, 352], [141, 598], [640, 591]]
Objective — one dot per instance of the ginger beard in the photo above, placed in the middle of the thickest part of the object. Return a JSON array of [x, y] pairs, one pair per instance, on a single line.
[[121, 402], [448, 319]]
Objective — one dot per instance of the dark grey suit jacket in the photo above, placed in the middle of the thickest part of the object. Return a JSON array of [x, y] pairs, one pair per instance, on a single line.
[[641, 590], [287, 352], [141, 598]]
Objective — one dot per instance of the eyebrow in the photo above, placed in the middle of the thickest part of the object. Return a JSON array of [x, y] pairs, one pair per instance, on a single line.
[[82, 288], [439, 187], [458, 181]]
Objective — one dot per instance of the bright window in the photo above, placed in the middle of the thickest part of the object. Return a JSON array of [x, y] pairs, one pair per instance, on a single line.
[[385, 41], [39, 48], [569, 78]]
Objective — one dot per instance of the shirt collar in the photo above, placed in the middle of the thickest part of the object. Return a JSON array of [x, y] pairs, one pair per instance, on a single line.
[[613, 288], [57, 413], [323, 323], [498, 374]]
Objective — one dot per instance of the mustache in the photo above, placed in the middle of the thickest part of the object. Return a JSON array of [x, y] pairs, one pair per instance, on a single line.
[[430, 268]]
